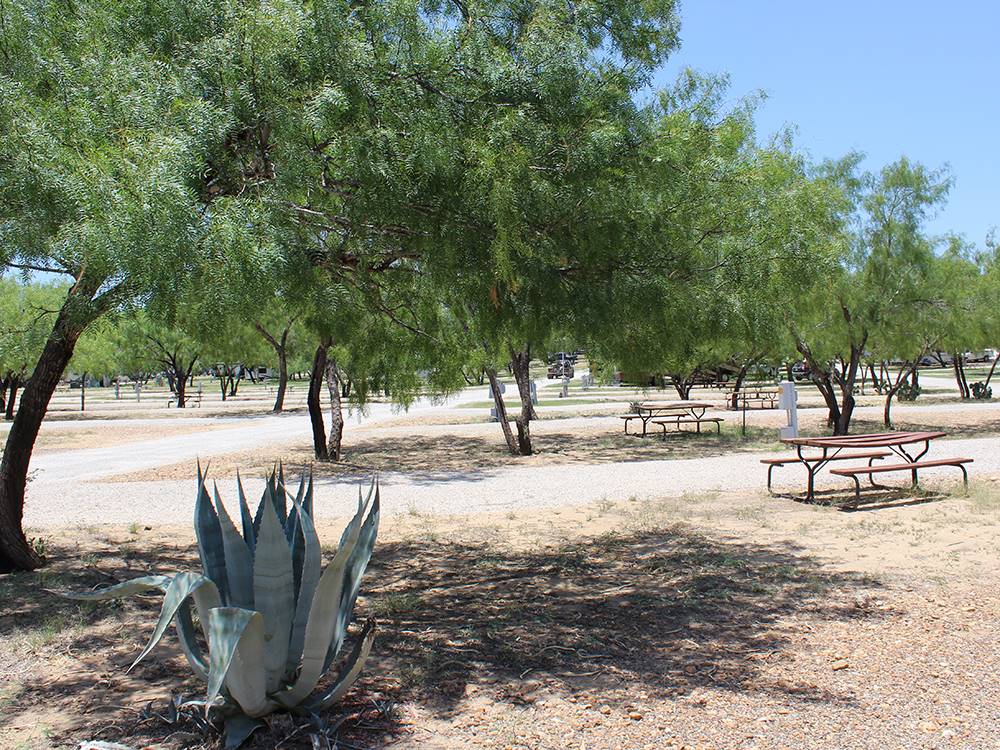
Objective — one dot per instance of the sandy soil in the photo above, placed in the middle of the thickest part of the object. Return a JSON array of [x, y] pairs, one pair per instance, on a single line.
[[62, 436], [713, 621], [433, 443]]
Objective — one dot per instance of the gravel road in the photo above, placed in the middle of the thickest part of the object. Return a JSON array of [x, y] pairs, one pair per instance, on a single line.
[[66, 486], [60, 502]]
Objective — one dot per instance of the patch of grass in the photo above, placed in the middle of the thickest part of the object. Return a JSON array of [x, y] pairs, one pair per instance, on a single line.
[[48, 632], [984, 498], [393, 604]]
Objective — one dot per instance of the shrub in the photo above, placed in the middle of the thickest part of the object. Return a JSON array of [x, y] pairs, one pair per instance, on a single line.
[[273, 621], [908, 392], [982, 391]]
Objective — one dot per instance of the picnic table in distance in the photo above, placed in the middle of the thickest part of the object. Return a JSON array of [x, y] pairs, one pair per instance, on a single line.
[[666, 413], [871, 446], [766, 397]]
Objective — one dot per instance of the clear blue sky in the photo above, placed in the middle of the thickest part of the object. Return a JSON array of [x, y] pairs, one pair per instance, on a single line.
[[885, 77]]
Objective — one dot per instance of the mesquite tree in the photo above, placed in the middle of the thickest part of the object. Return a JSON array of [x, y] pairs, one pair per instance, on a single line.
[[102, 136], [880, 281]]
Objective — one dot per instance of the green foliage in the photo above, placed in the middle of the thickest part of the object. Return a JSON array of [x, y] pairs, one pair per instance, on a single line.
[[273, 620], [908, 392], [981, 391], [26, 318]]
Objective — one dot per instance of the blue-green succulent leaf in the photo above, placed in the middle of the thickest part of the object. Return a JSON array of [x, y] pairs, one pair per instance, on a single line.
[[238, 728], [353, 571], [349, 671], [188, 639], [210, 546], [181, 587], [249, 532], [126, 588], [239, 562], [225, 629], [310, 567], [274, 594]]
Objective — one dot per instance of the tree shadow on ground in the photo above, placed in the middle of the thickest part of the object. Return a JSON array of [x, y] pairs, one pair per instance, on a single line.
[[975, 429], [433, 458], [666, 611]]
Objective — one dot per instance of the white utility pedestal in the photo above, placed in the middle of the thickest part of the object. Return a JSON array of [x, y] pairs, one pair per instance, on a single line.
[[493, 409], [788, 400]]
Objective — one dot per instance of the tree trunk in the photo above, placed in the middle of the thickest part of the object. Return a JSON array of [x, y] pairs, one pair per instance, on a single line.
[[222, 384], [15, 383], [83, 392], [519, 364], [4, 385], [512, 444], [789, 375], [682, 387], [740, 377], [905, 375], [843, 424], [279, 398], [180, 389], [335, 440], [15, 551], [522, 376], [316, 375], [963, 385], [824, 384], [989, 375]]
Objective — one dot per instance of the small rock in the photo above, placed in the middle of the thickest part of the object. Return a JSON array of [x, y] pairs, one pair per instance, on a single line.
[[604, 708], [838, 665], [635, 716]]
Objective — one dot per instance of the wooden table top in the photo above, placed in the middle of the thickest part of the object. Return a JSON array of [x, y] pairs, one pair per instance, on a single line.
[[655, 405], [870, 440]]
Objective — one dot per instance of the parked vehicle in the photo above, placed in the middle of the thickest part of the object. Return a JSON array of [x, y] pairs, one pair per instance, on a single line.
[[938, 359], [562, 369], [800, 371], [980, 356]]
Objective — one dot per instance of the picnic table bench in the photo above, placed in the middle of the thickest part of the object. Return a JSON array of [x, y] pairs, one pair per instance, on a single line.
[[870, 446], [193, 399], [765, 398], [666, 413]]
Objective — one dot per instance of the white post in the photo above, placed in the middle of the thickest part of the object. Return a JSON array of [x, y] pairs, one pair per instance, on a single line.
[[788, 400], [493, 409]]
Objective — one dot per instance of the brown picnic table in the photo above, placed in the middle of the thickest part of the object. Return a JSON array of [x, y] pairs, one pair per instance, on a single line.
[[911, 447], [649, 410], [764, 396]]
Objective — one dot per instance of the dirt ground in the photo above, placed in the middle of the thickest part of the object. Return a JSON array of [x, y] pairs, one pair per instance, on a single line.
[[77, 436], [719, 621], [432, 446]]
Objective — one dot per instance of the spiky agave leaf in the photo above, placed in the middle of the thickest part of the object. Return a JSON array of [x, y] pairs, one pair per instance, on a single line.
[[238, 729], [349, 671], [176, 591], [238, 560], [358, 561], [230, 629], [181, 587], [296, 539], [273, 593], [125, 588], [310, 568], [210, 544], [249, 532], [324, 615]]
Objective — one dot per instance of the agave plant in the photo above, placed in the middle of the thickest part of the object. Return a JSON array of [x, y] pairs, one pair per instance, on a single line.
[[273, 621]]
